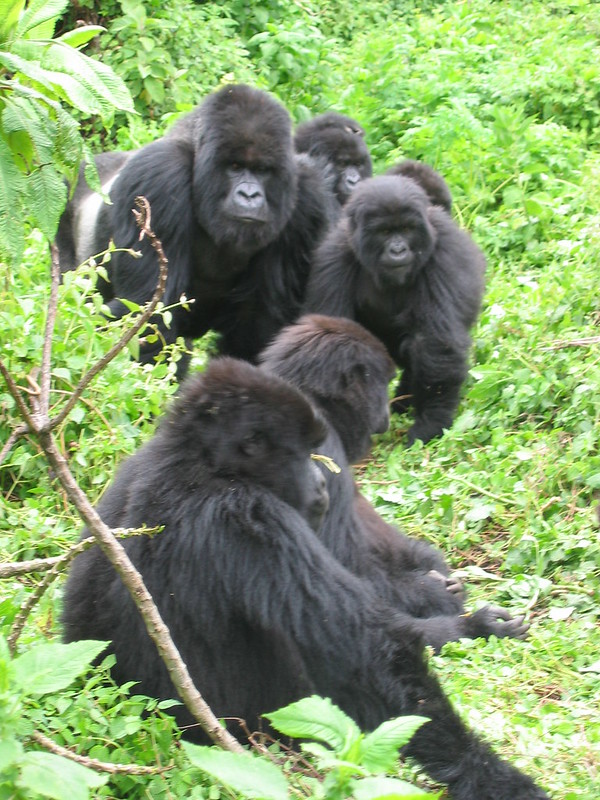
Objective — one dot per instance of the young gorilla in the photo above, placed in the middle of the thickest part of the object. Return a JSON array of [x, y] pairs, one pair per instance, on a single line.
[[261, 612], [403, 269], [345, 371], [237, 213], [338, 142]]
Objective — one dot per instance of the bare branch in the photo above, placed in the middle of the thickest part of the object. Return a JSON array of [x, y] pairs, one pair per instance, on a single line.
[[142, 216], [94, 763]]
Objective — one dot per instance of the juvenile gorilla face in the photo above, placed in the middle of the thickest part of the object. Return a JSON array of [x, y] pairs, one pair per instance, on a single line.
[[248, 428], [245, 180], [340, 141], [389, 229]]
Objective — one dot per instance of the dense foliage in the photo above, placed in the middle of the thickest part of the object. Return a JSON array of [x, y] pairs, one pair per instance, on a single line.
[[503, 99]]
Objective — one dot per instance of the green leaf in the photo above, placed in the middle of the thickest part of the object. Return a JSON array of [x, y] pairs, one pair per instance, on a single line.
[[80, 36], [52, 667], [316, 718], [39, 18], [10, 751], [250, 776], [387, 789], [12, 187], [379, 749], [46, 198], [10, 11], [53, 776]]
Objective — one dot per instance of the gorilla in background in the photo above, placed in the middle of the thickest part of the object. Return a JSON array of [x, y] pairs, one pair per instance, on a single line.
[[428, 178], [238, 217], [345, 371], [403, 269], [261, 612], [84, 227], [337, 142]]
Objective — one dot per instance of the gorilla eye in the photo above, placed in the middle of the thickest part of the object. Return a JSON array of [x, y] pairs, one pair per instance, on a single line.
[[254, 444]]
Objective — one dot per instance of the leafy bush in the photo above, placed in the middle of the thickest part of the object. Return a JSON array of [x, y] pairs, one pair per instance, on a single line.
[[40, 142]]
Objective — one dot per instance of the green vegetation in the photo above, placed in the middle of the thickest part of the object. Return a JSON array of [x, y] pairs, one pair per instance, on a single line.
[[503, 99]]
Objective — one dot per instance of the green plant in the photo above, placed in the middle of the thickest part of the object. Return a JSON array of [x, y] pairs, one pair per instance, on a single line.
[[40, 142], [347, 762]]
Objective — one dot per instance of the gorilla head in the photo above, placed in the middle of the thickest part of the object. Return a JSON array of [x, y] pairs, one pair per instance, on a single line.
[[232, 420], [344, 369], [390, 231], [431, 181], [245, 179], [339, 141]]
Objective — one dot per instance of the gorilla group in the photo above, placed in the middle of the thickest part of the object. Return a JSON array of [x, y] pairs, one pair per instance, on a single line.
[[345, 371], [262, 612], [238, 214], [400, 266]]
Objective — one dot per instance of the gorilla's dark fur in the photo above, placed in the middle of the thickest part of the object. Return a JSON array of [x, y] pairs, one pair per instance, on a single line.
[[345, 371], [237, 212], [428, 178], [400, 266], [261, 612], [337, 141]]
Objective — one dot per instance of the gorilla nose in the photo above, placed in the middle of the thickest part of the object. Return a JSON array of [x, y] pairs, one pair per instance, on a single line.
[[250, 195], [352, 178]]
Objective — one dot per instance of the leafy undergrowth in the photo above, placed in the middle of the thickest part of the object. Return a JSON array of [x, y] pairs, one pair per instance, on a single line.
[[509, 494]]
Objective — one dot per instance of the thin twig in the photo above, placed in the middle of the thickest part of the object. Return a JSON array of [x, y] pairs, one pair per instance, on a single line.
[[26, 609], [44, 564], [586, 341], [94, 763]]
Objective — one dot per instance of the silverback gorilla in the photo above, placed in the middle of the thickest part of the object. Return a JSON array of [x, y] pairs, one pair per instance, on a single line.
[[402, 268], [238, 214], [260, 610], [344, 370], [338, 141]]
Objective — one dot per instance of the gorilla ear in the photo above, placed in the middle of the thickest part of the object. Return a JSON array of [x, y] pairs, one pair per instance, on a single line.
[[253, 444]]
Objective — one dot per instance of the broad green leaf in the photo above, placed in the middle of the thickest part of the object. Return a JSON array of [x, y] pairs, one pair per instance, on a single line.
[[379, 749], [52, 667], [54, 776], [10, 11], [46, 198], [387, 789], [80, 36], [38, 15], [316, 718], [12, 188], [250, 776], [10, 751]]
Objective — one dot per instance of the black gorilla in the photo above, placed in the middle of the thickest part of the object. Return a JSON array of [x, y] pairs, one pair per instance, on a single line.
[[403, 268], [428, 178], [338, 142], [261, 612], [345, 371], [238, 215]]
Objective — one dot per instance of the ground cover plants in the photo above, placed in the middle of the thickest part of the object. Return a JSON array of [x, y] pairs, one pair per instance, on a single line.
[[503, 99]]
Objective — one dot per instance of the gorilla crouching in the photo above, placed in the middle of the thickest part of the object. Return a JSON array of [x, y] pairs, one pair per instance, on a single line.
[[402, 268]]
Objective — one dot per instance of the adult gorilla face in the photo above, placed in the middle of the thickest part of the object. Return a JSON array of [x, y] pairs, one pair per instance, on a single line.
[[390, 231], [245, 180]]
